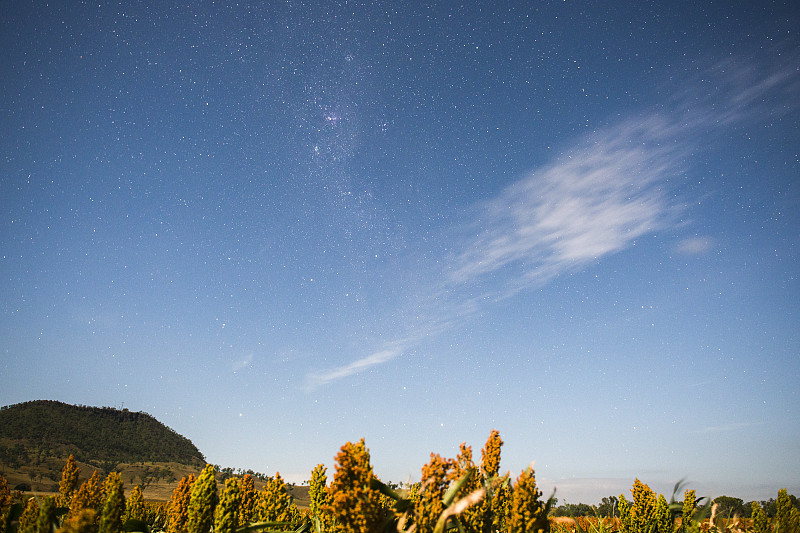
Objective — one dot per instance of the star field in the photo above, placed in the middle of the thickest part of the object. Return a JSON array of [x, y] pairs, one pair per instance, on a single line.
[[278, 227]]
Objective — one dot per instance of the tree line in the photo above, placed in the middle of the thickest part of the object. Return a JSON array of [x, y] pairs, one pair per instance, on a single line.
[[727, 506]]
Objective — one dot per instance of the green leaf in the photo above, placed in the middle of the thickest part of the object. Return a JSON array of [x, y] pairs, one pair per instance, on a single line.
[[401, 504], [383, 488], [135, 525], [265, 527], [450, 495], [12, 520]]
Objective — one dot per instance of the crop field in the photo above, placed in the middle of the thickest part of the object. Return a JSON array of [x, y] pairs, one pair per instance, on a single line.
[[453, 495]]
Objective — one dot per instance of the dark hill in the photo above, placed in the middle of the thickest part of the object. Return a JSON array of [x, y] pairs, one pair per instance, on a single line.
[[94, 435]]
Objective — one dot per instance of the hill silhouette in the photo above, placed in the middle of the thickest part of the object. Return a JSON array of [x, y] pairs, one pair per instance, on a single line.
[[100, 436]]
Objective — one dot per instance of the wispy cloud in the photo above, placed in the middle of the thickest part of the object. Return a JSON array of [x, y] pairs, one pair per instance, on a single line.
[[741, 88], [244, 362], [693, 245], [727, 428], [320, 378], [601, 196]]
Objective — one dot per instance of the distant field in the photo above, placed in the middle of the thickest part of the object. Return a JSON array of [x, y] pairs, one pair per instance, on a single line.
[[157, 479]]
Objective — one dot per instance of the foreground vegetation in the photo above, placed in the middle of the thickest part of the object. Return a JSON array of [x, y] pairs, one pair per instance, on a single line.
[[453, 495]]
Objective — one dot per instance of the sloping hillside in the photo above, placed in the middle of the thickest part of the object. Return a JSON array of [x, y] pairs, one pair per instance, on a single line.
[[32, 432]]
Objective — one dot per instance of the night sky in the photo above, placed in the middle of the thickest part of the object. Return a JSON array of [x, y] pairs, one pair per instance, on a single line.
[[281, 226]]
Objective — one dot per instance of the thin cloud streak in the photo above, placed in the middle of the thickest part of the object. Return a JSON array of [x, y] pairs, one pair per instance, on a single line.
[[726, 428], [316, 380]]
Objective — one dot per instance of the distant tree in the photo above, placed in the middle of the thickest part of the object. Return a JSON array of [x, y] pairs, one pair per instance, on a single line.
[[225, 473], [107, 465], [608, 507], [770, 507], [574, 509], [728, 506]]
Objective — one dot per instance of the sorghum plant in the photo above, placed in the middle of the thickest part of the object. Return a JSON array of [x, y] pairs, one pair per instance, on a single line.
[[113, 506], [760, 521], [6, 502], [47, 515], [247, 500], [429, 500], [496, 505], [179, 505], [472, 519], [29, 517], [316, 488], [135, 505], [202, 502], [82, 521], [274, 504], [787, 518], [637, 516], [663, 516], [490, 455], [688, 510], [69, 482], [227, 511], [320, 499], [528, 513], [88, 496], [355, 506]]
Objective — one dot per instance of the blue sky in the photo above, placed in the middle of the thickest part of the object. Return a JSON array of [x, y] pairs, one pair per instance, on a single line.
[[280, 227]]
